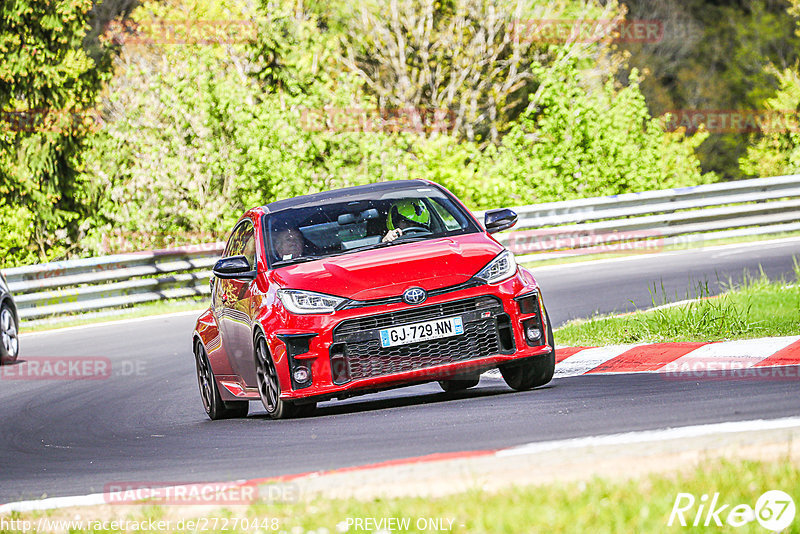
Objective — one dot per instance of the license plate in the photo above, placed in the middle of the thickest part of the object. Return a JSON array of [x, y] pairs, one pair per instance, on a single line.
[[414, 333]]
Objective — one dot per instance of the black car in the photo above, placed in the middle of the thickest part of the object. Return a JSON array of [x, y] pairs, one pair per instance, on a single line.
[[9, 324]]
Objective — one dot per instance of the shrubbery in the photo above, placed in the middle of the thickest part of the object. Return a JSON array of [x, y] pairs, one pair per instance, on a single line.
[[196, 133]]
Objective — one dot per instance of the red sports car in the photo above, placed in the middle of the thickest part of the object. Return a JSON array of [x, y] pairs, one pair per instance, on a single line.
[[362, 289]]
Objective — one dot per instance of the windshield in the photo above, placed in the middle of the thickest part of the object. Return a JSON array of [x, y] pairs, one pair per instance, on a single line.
[[354, 223]]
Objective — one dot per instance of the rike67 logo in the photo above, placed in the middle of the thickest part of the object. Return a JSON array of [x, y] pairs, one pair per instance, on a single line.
[[774, 510]]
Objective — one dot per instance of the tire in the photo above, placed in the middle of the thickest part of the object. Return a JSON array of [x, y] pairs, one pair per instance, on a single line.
[[9, 335], [269, 387], [532, 372], [215, 407], [459, 384]]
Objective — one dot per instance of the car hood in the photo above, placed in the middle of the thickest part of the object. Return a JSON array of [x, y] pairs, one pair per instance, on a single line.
[[387, 272]]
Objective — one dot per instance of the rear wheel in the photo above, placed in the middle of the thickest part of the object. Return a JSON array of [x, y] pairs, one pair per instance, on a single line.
[[532, 372], [9, 334], [215, 407], [459, 384], [269, 387]]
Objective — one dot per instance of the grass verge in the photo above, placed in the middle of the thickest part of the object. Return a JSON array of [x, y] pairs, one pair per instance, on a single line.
[[755, 308], [599, 505], [139, 310]]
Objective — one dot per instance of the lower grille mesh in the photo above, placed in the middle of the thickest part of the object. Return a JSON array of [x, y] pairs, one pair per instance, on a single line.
[[366, 358]]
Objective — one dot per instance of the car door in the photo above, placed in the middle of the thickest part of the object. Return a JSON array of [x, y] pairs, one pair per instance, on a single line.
[[235, 299]]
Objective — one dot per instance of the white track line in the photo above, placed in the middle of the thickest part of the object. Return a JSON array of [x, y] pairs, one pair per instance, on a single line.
[[654, 435], [530, 448], [196, 313]]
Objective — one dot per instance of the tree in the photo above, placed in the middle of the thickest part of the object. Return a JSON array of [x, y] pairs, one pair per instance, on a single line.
[[473, 58], [48, 88], [714, 56]]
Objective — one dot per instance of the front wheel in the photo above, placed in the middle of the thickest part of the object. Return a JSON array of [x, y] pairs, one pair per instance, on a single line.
[[532, 372], [269, 387], [215, 407]]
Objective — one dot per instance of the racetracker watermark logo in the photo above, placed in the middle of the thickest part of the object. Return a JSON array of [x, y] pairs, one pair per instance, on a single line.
[[774, 510], [50, 120], [733, 120], [186, 32], [728, 368], [71, 368], [385, 120], [562, 31], [198, 493], [584, 242]]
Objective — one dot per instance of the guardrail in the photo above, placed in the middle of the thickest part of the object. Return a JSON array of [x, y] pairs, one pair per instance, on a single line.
[[633, 222], [90, 284], [651, 220]]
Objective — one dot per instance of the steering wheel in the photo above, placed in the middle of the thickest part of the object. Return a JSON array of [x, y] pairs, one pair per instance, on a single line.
[[416, 229]]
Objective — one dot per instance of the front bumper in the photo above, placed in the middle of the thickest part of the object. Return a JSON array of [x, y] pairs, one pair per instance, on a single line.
[[344, 356]]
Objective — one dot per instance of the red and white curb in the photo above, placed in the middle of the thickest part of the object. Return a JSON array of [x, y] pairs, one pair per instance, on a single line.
[[676, 358], [621, 439]]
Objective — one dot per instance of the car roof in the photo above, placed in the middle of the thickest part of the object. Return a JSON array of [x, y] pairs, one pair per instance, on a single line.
[[358, 192]]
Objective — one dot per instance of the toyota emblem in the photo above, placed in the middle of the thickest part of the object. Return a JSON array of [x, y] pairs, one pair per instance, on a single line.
[[414, 295]]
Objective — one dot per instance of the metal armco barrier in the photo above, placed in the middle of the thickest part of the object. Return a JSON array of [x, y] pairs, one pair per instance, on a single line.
[[90, 284], [632, 222], [651, 220]]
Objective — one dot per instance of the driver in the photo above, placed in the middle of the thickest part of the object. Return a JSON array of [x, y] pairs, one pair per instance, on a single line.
[[288, 244], [407, 213]]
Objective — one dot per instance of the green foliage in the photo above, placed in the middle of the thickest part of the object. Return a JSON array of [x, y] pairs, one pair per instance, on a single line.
[[47, 82], [195, 133], [777, 151], [756, 308], [714, 56], [578, 142]]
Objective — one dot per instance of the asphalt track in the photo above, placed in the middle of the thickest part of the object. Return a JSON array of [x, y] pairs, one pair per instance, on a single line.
[[145, 422]]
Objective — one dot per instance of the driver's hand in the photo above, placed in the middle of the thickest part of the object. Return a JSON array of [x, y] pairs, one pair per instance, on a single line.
[[392, 235]]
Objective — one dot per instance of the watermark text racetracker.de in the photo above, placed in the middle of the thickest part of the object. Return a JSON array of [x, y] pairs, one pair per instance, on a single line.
[[198, 493], [180, 32], [557, 240], [774, 510], [71, 368], [729, 121], [562, 31], [413, 119], [201, 524], [728, 368]]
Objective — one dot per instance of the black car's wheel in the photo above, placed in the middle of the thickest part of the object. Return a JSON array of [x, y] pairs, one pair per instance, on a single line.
[[532, 372], [269, 387], [459, 384], [215, 407], [9, 334]]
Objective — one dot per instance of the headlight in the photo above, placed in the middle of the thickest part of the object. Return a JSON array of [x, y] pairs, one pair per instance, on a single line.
[[305, 302], [503, 267]]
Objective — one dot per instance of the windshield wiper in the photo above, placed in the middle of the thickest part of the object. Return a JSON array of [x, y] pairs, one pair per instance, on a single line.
[[382, 244], [301, 259]]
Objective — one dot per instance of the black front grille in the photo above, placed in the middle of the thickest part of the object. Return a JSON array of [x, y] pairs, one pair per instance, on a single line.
[[357, 352]]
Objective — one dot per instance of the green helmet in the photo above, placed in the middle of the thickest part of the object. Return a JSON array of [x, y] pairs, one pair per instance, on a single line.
[[413, 211]]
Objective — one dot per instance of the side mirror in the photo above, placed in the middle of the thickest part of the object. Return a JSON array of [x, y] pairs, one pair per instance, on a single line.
[[234, 267], [500, 219]]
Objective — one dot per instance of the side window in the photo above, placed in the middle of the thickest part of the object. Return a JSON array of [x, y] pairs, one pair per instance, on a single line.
[[448, 219], [249, 250], [242, 243]]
